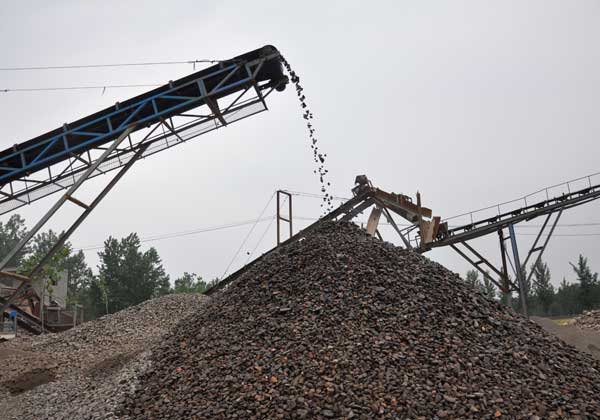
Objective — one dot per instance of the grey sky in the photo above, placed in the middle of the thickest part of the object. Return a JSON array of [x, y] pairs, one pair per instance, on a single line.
[[470, 102]]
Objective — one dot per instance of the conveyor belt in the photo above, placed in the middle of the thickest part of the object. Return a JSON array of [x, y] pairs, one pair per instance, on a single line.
[[223, 93], [25, 320], [493, 224]]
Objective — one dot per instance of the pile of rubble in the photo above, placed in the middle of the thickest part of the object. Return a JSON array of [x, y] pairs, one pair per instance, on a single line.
[[341, 325], [80, 373], [589, 320]]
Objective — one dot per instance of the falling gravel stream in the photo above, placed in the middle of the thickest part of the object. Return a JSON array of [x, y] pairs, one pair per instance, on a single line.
[[318, 156]]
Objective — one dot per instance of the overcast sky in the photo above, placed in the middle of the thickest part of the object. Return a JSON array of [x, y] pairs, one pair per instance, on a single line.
[[470, 102]]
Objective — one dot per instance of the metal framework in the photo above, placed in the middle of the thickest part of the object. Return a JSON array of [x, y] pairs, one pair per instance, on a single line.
[[281, 218], [504, 223], [218, 96], [365, 196], [117, 137], [427, 232]]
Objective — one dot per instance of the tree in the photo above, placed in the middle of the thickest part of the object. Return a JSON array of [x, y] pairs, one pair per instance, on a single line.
[[11, 234], [488, 288], [64, 260], [485, 286], [589, 295], [130, 275], [543, 291], [566, 301], [190, 283], [52, 269], [472, 279]]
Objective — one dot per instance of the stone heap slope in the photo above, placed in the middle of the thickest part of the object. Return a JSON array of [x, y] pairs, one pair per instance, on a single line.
[[80, 373], [589, 320], [341, 325]]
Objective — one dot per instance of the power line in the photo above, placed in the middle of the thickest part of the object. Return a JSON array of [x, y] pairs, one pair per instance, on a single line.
[[561, 234], [517, 226], [89, 66], [261, 219], [186, 233], [312, 195], [62, 88], [248, 235], [250, 254]]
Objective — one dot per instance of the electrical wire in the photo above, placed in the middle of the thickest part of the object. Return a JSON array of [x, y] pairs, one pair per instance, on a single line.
[[88, 66], [561, 234], [250, 254], [261, 219], [248, 235], [312, 195], [186, 233], [63, 88]]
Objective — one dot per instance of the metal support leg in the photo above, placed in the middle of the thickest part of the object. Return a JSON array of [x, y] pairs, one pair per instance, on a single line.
[[288, 220], [373, 221], [505, 282], [476, 265], [519, 270], [543, 247], [62, 200], [24, 284], [392, 222]]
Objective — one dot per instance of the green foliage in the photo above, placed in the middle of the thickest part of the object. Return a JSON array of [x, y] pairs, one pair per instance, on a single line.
[[130, 276], [485, 286], [11, 233], [189, 283], [543, 291], [566, 300], [63, 261], [472, 279], [589, 288]]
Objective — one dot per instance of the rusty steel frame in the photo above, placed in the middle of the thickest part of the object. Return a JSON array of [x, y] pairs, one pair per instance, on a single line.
[[281, 218]]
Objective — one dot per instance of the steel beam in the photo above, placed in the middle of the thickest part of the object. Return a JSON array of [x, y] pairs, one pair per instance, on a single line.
[[392, 222], [490, 225], [505, 281], [543, 247], [518, 269], [475, 265], [88, 209], [280, 218]]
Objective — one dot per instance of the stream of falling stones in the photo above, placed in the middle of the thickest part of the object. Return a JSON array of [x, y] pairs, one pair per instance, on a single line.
[[318, 157]]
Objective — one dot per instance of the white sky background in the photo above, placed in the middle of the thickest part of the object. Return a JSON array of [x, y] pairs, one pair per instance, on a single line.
[[470, 102]]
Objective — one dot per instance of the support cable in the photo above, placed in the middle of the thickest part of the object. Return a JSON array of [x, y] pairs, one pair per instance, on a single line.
[[262, 236], [248, 235], [88, 66], [185, 233], [103, 87]]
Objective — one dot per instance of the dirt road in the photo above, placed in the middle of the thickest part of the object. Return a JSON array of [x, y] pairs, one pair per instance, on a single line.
[[585, 340]]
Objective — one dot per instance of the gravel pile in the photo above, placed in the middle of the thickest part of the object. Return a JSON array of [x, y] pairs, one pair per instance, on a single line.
[[343, 326], [589, 320], [81, 373]]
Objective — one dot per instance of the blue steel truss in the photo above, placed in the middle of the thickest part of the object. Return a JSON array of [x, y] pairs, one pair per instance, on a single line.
[[162, 119]]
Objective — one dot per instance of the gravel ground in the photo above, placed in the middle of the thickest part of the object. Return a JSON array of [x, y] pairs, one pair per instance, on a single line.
[[341, 325], [584, 339], [589, 320], [82, 373]]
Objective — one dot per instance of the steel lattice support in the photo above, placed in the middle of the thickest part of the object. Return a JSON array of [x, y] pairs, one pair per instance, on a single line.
[[281, 218], [479, 260], [519, 269], [68, 196], [188, 107]]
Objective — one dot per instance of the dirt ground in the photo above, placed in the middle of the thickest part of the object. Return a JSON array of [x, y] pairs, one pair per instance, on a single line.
[[585, 340]]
